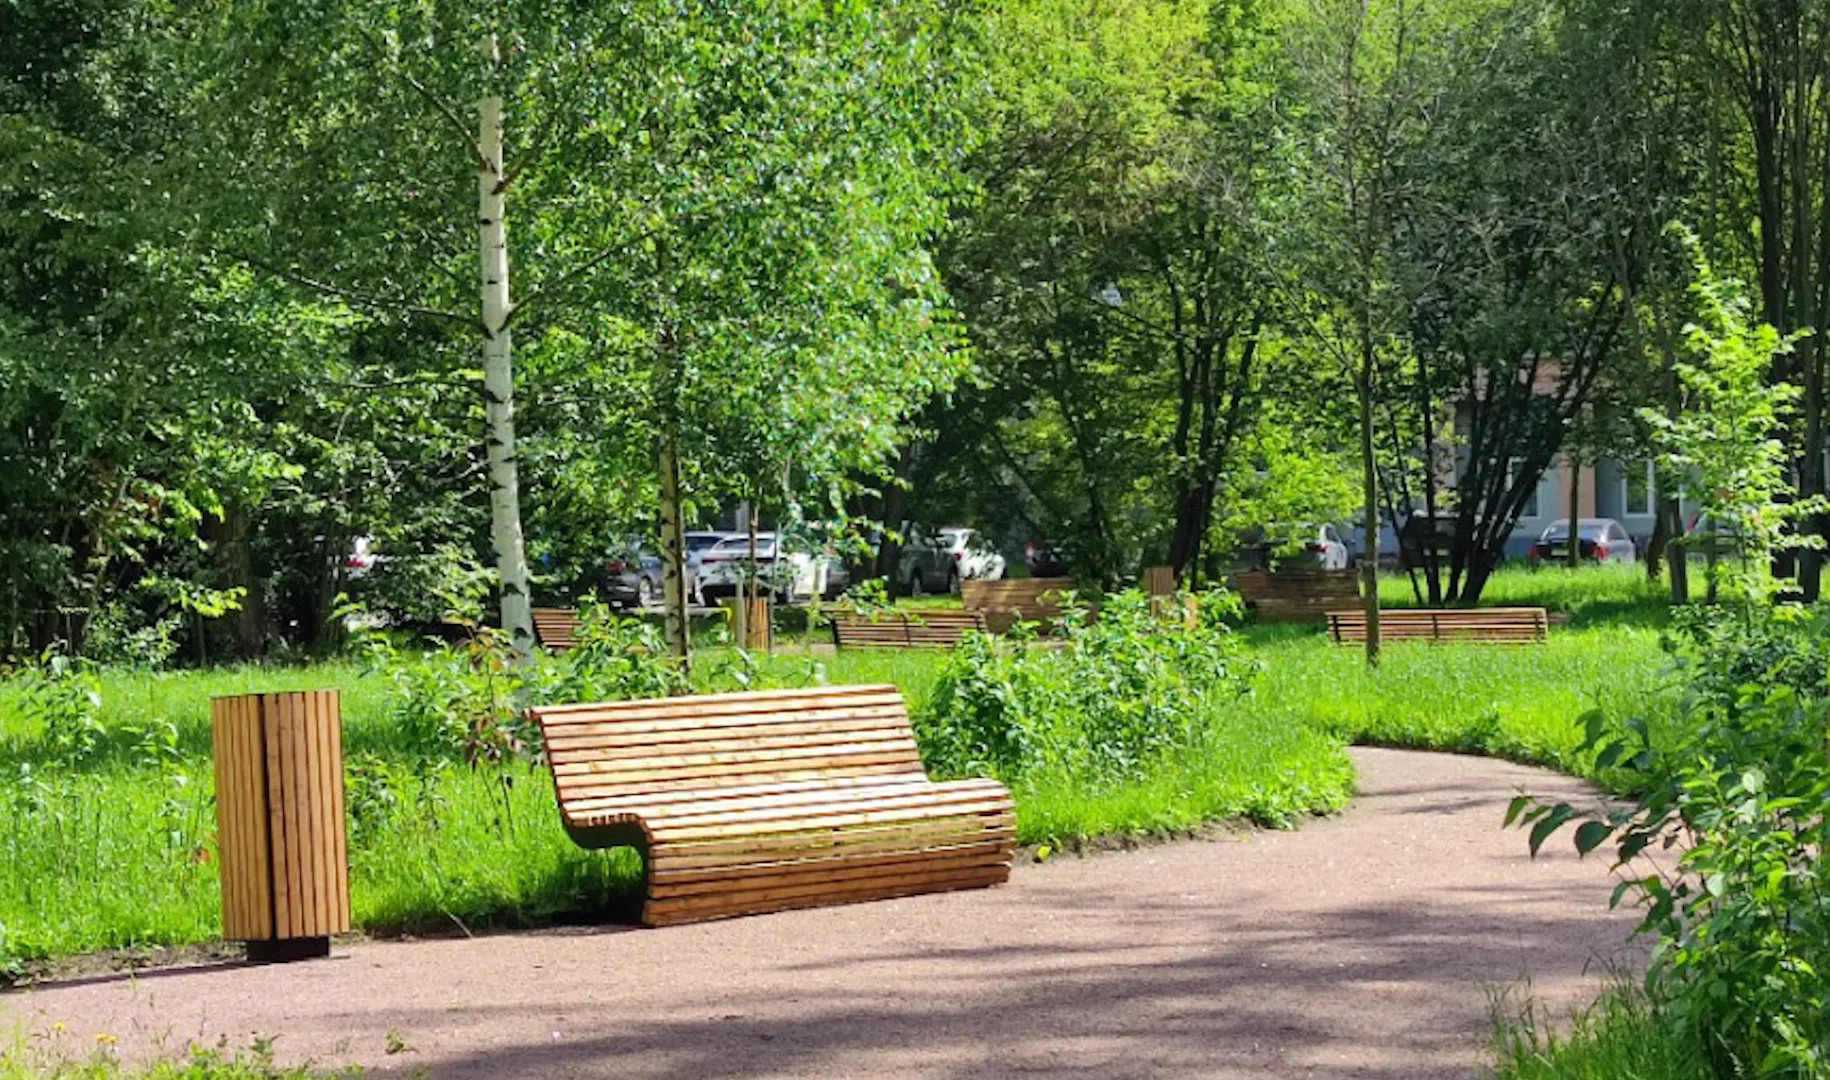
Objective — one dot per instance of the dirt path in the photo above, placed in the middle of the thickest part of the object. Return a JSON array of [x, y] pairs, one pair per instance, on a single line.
[[1363, 946]]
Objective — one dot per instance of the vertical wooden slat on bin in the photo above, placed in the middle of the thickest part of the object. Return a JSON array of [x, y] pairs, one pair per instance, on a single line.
[[339, 847], [224, 834], [278, 800], [259, 827], [299, 803], [311, 741]]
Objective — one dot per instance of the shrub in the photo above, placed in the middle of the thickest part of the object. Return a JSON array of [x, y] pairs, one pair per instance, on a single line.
[[1742, 921], [1122, 688]]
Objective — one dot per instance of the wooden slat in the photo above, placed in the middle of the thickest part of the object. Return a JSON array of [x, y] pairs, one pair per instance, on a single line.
[[609, 735], [793, 804], [758, 752], [802, 768], [672, 910], [715, 783], [1492, 625], [832, 871], [278, 835], [763, 826], [719, 856]]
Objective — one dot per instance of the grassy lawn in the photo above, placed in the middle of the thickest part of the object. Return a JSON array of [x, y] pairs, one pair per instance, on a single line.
[[115, 852]]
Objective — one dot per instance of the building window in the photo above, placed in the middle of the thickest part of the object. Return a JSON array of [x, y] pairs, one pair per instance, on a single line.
[[1638, 487], [1516, 466]]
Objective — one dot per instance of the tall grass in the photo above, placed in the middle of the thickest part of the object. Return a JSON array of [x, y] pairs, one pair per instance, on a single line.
[[1615, 594], [1616, 1038]]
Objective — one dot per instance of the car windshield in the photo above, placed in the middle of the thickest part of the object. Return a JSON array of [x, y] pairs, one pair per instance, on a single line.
[[701, 541], [740, 545]]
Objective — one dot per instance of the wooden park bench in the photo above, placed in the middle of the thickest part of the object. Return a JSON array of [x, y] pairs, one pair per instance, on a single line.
[[1500, 626], [905, 629], [1009, 601], [1297, 595], [557, 628], [752, 802]]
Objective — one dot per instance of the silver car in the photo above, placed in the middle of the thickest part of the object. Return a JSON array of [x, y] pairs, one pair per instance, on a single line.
[[1598, 540]]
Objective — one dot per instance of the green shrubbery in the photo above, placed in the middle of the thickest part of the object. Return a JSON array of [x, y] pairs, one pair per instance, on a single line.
[[1122, 688], [1741, 920]]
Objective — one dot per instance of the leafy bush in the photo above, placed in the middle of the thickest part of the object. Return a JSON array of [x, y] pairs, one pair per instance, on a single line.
[[1742, 921], [65, 699], [1121, 689]]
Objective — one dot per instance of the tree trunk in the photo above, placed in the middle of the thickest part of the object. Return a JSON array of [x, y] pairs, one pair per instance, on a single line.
[[1678, 555], [498, 380], [1369, 476], [1575, 511], [673, 551]]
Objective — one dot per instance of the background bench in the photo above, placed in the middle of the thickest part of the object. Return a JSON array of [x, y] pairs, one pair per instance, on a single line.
[[1008, 602], [905, 629], [1297, 595], [557, 628], [1495, 625], [760, 801]]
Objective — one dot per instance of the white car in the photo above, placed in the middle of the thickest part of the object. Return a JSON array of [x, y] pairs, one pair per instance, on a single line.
[[791, 575], [939, 561]]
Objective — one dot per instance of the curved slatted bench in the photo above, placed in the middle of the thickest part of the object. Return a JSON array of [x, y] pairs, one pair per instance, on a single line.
[[744, 803], [905, 629], [1499, 626], [557, 628]]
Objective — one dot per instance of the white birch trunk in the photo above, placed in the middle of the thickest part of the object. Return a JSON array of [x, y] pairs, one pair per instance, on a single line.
[[673, 553], [498, 379]]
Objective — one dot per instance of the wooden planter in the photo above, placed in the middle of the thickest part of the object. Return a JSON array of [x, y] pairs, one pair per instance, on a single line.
[[284, 856]]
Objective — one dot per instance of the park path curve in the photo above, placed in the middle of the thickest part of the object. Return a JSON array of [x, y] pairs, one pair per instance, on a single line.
[[1361, 946]]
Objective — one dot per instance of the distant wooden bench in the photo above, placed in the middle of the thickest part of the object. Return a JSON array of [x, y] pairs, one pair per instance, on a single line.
[[557, 628], [1010, 601], [1500, 626], [905, 629], [744, 803], [1297, 595]]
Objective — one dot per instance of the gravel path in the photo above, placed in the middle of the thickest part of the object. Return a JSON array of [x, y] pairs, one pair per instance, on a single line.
[[1361, 946]]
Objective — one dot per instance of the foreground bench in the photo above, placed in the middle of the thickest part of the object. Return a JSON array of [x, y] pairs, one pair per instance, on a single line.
[[760, 801], [557, 628], [905, 629], [1502, 626], [1007, 602], [1297, 595]]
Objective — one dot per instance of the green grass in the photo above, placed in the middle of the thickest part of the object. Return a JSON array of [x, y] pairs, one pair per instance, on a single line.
[[1616, 1038], [1518, 702], [1611, 595]]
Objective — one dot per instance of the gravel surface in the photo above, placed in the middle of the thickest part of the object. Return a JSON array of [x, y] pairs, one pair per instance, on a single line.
[[1366, 945]]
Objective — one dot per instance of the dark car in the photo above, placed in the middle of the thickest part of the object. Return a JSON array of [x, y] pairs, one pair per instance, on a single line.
[[632, 578], [1045, 560]]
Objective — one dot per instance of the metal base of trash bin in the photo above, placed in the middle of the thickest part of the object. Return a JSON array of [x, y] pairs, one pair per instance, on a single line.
[[286, 950]]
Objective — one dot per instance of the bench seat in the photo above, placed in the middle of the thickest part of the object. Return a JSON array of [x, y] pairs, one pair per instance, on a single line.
[[1497, 626], [753, 802]]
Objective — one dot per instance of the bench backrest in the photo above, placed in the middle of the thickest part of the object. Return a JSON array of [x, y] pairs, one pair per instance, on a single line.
[[1011, 600], [556, 627], [1292, 595], [761, 739], [913, 628], [1518, 624]]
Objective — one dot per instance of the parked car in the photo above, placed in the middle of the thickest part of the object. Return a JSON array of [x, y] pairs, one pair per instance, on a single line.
[[698, 542], [939, 561], [632, 578], [1317, 546], [1045, 560], [1598, 540], [786, 575]]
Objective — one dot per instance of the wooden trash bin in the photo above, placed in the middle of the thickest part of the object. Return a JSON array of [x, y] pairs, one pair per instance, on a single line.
[[284, 855], [759, 630]]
